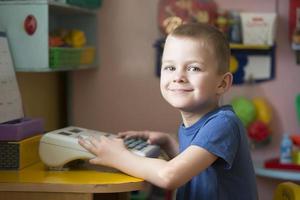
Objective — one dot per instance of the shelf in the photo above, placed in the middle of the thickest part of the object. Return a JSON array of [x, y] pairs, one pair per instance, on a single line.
[[255, 63], [13, 2], [57, 5], [61, 69], [67, 8], [276, 174], [252, 47]]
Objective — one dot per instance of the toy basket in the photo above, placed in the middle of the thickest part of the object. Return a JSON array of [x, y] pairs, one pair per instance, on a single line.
[[93, 4], [87, 55], [64, 57]]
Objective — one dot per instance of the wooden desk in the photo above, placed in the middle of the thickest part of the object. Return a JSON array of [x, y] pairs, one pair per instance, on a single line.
[[37, 183]]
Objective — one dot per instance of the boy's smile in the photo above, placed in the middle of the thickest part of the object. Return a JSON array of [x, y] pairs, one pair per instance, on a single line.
[[180, 89], [189, 77]]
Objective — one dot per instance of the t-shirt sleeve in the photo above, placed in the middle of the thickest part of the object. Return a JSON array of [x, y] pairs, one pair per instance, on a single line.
[[220, 137]]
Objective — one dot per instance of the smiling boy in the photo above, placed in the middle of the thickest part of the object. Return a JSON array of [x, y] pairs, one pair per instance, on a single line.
[[212, 160]]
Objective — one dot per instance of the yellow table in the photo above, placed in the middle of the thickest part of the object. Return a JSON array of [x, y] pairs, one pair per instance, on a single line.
[[36, 182]]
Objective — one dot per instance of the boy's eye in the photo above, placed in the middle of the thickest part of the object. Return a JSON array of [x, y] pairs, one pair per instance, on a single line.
[[194, 68], [169, 68]]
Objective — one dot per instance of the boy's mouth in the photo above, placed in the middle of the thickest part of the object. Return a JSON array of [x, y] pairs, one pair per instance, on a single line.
[[180, 89]]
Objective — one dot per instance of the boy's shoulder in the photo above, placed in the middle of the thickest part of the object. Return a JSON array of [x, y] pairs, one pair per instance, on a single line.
[[223, 115], [220, 118], [225, 112]]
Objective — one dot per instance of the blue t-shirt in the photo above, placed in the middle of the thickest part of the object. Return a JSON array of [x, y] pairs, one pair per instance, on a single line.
[[231, 176]]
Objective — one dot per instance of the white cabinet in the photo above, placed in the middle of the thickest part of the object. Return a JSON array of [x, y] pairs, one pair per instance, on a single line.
[[31, 52]]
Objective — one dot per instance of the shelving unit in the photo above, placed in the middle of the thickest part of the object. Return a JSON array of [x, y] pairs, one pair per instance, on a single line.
[[253, 47], [56, 5], [31, 52], [260, 170], [254, 63], [296, 48]]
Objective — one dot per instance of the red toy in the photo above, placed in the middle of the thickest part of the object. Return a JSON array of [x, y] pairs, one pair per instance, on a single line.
[[55, 41], [296, 139], [258, 131]]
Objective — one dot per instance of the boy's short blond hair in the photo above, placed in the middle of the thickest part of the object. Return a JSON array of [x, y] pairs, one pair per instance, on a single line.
[[212, 36]]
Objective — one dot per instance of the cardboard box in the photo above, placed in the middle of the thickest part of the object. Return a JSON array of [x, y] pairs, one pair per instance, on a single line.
[[17, 155]]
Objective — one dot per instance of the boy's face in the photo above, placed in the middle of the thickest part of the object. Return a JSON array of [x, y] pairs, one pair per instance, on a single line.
[[189, 78]]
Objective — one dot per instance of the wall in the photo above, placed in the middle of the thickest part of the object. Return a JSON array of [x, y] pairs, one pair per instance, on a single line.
[[124, 92], [43, 95]]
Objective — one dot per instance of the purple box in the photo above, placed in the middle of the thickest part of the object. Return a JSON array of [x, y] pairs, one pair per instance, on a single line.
[[19, 129]]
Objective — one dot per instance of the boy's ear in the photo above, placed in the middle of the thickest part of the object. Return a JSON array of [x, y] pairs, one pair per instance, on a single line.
[[225, 83]]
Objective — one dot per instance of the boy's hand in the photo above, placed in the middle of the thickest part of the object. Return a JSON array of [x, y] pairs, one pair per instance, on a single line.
[[152, 137], [104, 149], [164, 140]]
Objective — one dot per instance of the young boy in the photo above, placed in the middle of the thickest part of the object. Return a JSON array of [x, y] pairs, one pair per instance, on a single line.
[[212, 160]]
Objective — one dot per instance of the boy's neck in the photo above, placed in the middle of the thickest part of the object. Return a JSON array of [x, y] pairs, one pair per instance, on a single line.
[[190, 118]]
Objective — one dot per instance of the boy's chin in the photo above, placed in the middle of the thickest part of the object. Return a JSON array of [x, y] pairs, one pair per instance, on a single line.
[[188, 107], [182, 106]]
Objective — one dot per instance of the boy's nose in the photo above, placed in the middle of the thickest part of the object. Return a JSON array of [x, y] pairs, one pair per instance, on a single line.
[[179, 76]]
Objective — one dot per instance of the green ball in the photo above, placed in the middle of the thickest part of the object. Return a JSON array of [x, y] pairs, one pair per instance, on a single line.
[[244, 109]]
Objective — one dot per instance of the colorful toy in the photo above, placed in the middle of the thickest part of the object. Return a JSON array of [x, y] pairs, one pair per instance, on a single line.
[[222, 22], [296, 152], [244, 109], [256, 116], [175, 12], [76, 38], [67, 38], [234, 65], [296, 139], [258, 131], [263, 111], [56, 41]]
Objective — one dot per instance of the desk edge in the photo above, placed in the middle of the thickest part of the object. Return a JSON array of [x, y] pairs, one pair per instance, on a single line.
[[75, 188]]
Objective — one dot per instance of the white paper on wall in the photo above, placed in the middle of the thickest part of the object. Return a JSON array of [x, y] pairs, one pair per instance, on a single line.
[[258, 68], [10, 97], [258, 28]]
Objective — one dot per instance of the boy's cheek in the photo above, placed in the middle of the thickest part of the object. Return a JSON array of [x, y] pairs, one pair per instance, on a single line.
[[164, 77], [163, 85], [161, 88]]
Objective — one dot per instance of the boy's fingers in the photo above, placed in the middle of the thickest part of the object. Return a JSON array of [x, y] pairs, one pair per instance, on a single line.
[[126, 134], [82, 142], [94, 160], [133, 134], [121, 134], [94, 141], [87, 144]]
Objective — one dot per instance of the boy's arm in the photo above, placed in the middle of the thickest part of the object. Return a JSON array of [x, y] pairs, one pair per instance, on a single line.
[[170, 146], [166, 174]]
